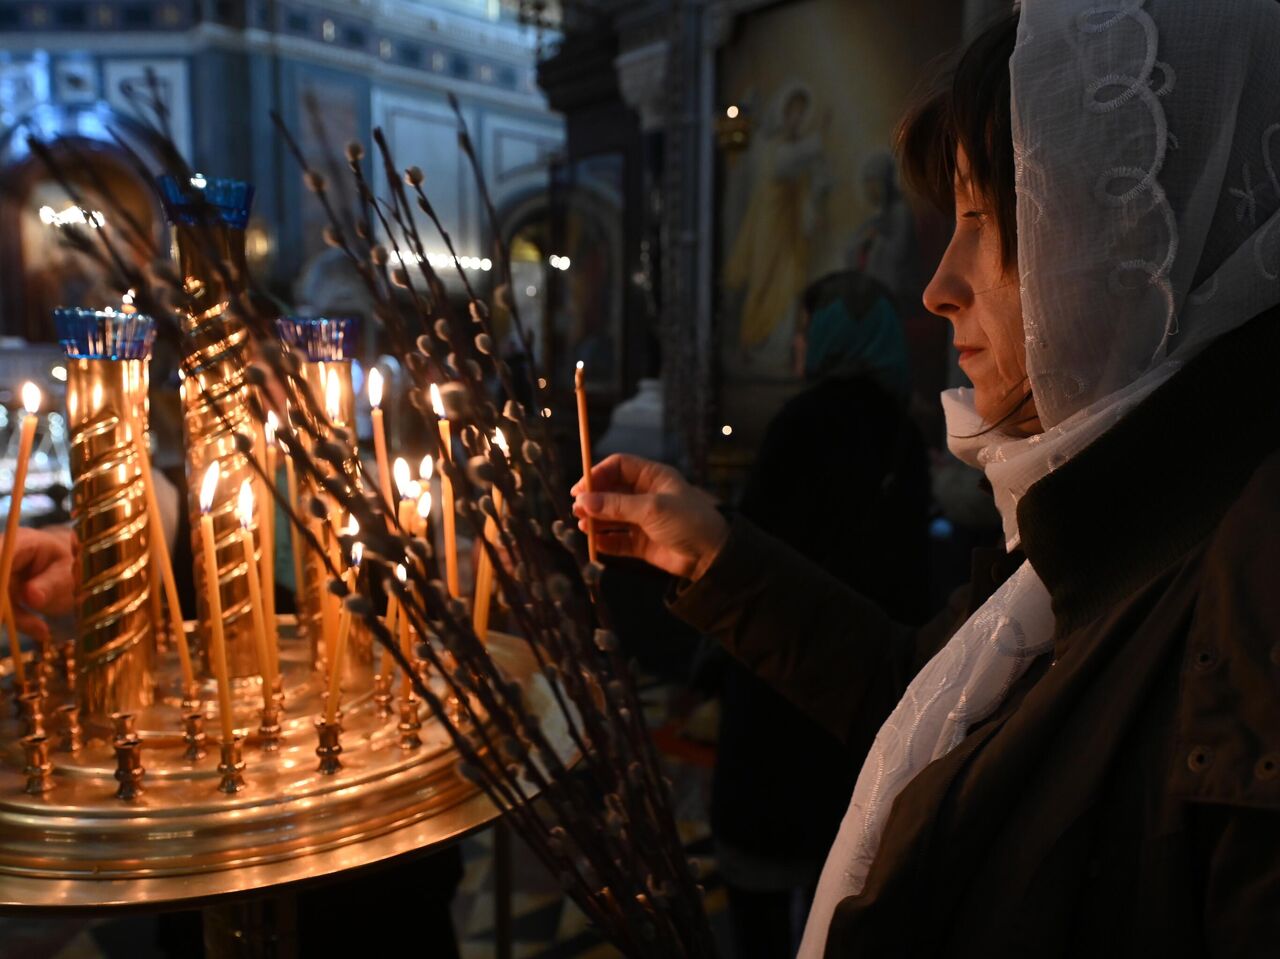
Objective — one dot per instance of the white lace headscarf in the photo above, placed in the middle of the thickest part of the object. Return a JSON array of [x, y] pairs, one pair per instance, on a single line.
[[1146, 141]]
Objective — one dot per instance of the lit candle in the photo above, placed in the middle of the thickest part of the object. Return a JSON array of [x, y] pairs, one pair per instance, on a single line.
[[332, 605], [446, 497], [160, 557], [380, 437], [217, 642], [484, 569], [344, 633], [31, 401], [266, 660], [267, 536], [584, 438]]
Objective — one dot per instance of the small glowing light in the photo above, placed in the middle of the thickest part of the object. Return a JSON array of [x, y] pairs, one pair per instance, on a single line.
[[127, 299], [400, 472], [542, 382], [30, 397], [357, 554], [208, 487], [333, 398], [199, 182], [530, 290], [401, 573], [424, 504], [546, 412], [413, 491], [269, 428], [486, 264], [375, 388], [727, 430], [426, 468], [437, 404], [731, 113], [554, 260], [579, 365], [244, 508], [59, 373], [564, 264], [353, 527], [500, 441], [72, 215]]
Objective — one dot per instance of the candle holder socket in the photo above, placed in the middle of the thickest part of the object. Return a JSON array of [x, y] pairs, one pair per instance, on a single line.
[[31, 713], [67, 655], [269, 727], [191, 699], [410, 724], [129, 768], [231, 766], [194, 736], [124, 726], [38, 769], [329, 748], [382, 695], [72, 734]]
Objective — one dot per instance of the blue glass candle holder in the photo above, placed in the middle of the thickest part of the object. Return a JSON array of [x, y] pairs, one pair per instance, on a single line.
[[321, 339], [104, 334], [203, 200]]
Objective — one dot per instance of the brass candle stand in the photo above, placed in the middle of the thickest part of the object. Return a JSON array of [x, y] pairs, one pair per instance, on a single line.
[[107, 355], [209, 216]]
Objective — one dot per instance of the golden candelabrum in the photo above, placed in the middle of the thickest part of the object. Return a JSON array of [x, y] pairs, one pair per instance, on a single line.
[[209, 217], [107, 355], [137, 769]]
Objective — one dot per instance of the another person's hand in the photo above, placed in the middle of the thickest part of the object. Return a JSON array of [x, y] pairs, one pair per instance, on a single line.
[[647, 510], [42, 582]]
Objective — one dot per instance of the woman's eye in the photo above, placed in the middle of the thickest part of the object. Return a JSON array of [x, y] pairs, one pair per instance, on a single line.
[[973, 215]]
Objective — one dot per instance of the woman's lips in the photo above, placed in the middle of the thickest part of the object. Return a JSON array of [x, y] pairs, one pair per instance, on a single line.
[[968, 352]]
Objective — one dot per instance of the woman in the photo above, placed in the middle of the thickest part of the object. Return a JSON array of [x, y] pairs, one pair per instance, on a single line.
[[1085, 760]]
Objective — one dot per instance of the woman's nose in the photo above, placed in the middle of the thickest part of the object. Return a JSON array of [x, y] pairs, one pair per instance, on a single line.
[[949, 292]]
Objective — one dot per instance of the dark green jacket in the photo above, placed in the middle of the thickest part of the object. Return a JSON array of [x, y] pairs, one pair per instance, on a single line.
[[1125, 799]]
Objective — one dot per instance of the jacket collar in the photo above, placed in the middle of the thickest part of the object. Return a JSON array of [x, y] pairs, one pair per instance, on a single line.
[[1151, 488]]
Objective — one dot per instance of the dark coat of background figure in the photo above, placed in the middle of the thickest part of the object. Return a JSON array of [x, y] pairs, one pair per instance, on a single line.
[[841, 477]]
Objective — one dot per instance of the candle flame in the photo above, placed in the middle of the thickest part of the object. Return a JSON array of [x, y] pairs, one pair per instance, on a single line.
[[244, 509], [424, 505], [31, 397], [357, 554], [333, 397], [272, 424], [400, 472], [353, 526], [437, 403], [426, 468], [208, 487], [375, 388], [500, 441], [580, 365], [402, 574]]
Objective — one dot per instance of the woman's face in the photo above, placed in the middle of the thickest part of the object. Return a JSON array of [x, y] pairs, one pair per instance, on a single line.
[[978, 294]]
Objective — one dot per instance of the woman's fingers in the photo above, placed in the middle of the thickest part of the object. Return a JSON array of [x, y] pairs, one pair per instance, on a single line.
[[615, 507], [31, 624], [621, 472]]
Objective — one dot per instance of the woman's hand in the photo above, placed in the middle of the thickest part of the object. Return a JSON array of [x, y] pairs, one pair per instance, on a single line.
[[42, 582], [647, 510]]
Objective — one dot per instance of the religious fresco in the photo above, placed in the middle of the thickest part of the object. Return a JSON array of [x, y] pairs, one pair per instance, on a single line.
[[811, 91]]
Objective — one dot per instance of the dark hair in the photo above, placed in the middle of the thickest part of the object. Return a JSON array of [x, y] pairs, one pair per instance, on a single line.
[[967, 107]]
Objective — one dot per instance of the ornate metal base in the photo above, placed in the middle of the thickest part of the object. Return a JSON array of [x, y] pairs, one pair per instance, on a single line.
[[76, 846]]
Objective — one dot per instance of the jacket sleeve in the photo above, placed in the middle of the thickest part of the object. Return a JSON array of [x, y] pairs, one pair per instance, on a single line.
[[825, 647], [1226, 762]]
